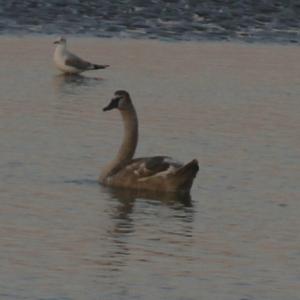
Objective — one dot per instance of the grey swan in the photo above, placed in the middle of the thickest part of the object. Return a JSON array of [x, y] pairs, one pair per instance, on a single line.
[[157, 173]]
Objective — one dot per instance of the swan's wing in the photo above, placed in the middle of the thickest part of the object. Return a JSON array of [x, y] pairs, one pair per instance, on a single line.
[[156, 164], [151, 166]]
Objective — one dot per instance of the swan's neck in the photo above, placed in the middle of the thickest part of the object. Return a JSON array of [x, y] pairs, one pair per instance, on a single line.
[[128, 145], [130, 138]]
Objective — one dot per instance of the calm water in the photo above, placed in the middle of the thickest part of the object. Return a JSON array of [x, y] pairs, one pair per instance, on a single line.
[[234, 107]]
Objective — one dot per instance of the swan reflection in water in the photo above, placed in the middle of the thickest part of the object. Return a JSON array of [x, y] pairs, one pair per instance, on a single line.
[[130, 195], [128, 198], [149, 219]]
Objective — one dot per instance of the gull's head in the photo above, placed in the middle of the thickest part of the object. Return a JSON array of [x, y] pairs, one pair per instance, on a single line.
[[121, 101], [60, 41]]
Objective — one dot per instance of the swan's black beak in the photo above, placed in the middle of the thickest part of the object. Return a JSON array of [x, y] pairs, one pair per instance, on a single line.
[[114, 103], [56, 42]]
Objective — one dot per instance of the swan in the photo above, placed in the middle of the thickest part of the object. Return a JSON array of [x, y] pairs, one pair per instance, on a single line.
[[156, 173]]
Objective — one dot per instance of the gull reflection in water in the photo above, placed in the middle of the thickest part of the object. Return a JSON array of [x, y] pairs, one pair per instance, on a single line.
[[65, 83]]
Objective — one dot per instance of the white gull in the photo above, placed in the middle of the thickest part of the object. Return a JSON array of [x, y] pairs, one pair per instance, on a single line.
[[70, 63]]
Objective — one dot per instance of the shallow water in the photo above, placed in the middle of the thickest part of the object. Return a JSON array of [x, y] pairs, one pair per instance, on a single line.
[[234, 107]]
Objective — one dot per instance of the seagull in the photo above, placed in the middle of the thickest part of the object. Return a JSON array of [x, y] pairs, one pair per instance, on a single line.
[[70, 63]]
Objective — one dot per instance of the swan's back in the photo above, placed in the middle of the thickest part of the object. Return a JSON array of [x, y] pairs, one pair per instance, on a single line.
[[158, 173]]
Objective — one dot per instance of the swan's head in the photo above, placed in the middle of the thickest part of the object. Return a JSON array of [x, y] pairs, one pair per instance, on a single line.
[[121, 101], [60, 41]]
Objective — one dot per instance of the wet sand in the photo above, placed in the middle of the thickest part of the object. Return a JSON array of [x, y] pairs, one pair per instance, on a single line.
[[233, 106], [268, 20]]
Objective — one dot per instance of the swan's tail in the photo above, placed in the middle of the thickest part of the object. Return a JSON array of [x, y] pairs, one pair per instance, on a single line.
[[185, 175]]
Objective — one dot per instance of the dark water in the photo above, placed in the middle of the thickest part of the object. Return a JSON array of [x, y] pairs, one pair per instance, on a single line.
[[234, 107], [248, 20]]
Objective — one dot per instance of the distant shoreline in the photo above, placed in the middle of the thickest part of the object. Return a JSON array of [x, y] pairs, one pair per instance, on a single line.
[[267, 21], [143, 40]]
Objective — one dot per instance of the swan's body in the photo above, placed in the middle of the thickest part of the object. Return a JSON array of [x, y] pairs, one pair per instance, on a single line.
[[158, 173], [70, 63]]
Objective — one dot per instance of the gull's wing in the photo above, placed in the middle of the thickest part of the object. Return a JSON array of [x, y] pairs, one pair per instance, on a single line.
[[74, 61]]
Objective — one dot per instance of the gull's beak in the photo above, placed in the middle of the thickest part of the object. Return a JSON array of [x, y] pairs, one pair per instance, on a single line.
[[113, 104]]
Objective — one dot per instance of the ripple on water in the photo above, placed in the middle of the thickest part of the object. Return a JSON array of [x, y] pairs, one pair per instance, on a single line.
[[179, 20]]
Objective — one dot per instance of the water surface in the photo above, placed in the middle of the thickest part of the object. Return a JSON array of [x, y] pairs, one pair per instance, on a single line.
[[235, 107]]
